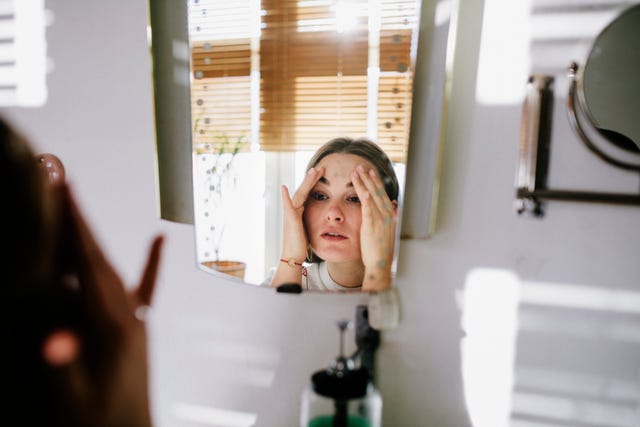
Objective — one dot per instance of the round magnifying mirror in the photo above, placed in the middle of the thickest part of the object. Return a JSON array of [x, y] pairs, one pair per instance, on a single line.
[[610, 82]]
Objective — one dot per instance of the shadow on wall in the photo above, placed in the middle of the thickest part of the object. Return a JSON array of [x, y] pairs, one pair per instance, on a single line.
[[548, 354], [578, 358]]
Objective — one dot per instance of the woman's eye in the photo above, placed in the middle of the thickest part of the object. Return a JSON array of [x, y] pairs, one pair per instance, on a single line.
[[318, 196], [353, 199]]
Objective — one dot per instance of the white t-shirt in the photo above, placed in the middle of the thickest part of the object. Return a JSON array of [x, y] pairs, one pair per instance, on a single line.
[[316, 279]]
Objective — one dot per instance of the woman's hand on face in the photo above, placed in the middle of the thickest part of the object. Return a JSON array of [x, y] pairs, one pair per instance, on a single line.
[[378, 229], [294, 242], [102, 369]]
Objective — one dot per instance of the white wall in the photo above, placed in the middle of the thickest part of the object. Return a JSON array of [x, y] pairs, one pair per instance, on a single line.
[[221, 345]]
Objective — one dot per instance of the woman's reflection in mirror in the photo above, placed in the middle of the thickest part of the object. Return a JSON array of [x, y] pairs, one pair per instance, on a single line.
[[340, 224]]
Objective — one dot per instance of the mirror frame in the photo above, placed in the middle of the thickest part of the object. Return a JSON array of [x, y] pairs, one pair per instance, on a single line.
[[168, 41], [205, 255]]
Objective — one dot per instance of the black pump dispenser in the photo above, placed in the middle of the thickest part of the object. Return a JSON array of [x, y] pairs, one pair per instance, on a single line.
[[341, 395], [341, 381]]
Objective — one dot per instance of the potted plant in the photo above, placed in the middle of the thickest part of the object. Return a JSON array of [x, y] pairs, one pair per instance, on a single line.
[[221, 179]]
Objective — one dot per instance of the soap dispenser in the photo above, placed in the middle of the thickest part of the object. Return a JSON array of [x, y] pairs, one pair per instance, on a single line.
[[341, 395]]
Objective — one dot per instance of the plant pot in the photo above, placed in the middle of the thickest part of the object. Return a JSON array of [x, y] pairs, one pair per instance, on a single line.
[[231, 268]]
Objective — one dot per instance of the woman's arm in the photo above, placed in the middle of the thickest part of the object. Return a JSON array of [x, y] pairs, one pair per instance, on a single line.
[[294, 239], [378, 229]]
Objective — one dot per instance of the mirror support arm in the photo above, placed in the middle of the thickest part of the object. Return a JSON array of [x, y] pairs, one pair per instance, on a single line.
[[535, 144]]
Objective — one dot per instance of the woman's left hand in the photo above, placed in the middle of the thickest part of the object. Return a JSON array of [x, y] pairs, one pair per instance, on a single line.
[[378, 229]]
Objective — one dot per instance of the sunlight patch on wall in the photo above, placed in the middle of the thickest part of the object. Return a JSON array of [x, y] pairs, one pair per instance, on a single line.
[[211, 416], [504, 52], [580, 297], [589, 399], [587, 326], [553, 26], [490, 307], [248, 364], [560, 385], [23, 58], [206, 344], [589, 385], [570, 410]]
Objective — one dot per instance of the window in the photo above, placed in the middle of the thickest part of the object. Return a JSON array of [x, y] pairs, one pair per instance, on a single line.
[[288, 74]]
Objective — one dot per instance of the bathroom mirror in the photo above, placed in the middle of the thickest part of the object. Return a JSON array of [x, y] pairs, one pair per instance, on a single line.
[[602, 106], [271, 81]]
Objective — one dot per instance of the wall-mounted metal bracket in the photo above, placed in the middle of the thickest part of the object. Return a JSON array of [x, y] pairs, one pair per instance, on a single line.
[[532, 190]]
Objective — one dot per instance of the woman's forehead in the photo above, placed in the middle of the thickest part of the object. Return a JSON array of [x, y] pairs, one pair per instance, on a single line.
[[342, 164]]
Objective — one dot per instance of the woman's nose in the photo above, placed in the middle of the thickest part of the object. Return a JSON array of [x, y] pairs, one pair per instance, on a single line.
[[334, 213]]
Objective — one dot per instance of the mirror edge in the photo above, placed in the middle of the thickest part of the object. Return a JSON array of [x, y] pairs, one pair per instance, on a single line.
[[171, 80], [436, 51]]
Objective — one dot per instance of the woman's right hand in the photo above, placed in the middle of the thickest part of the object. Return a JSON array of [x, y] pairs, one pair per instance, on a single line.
[[294, 239], [101, 368]]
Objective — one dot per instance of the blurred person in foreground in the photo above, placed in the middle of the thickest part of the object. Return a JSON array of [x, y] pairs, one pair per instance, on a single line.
[[75, 350]]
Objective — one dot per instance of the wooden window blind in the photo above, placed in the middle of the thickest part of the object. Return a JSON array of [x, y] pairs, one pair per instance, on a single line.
[[306, 70], [220, 37]]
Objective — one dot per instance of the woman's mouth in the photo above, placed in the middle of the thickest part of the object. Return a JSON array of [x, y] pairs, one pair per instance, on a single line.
[[333, 236]]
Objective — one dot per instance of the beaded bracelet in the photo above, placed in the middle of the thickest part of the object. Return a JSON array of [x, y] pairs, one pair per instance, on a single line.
[[291, 262]]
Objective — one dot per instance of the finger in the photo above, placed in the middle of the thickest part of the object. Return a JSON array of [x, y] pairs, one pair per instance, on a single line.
[[144, 292], [286, 198], [363, 194], [310, 180], [52, 168], [98, 281], [374, 211], [376, 189], [367, 208]]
